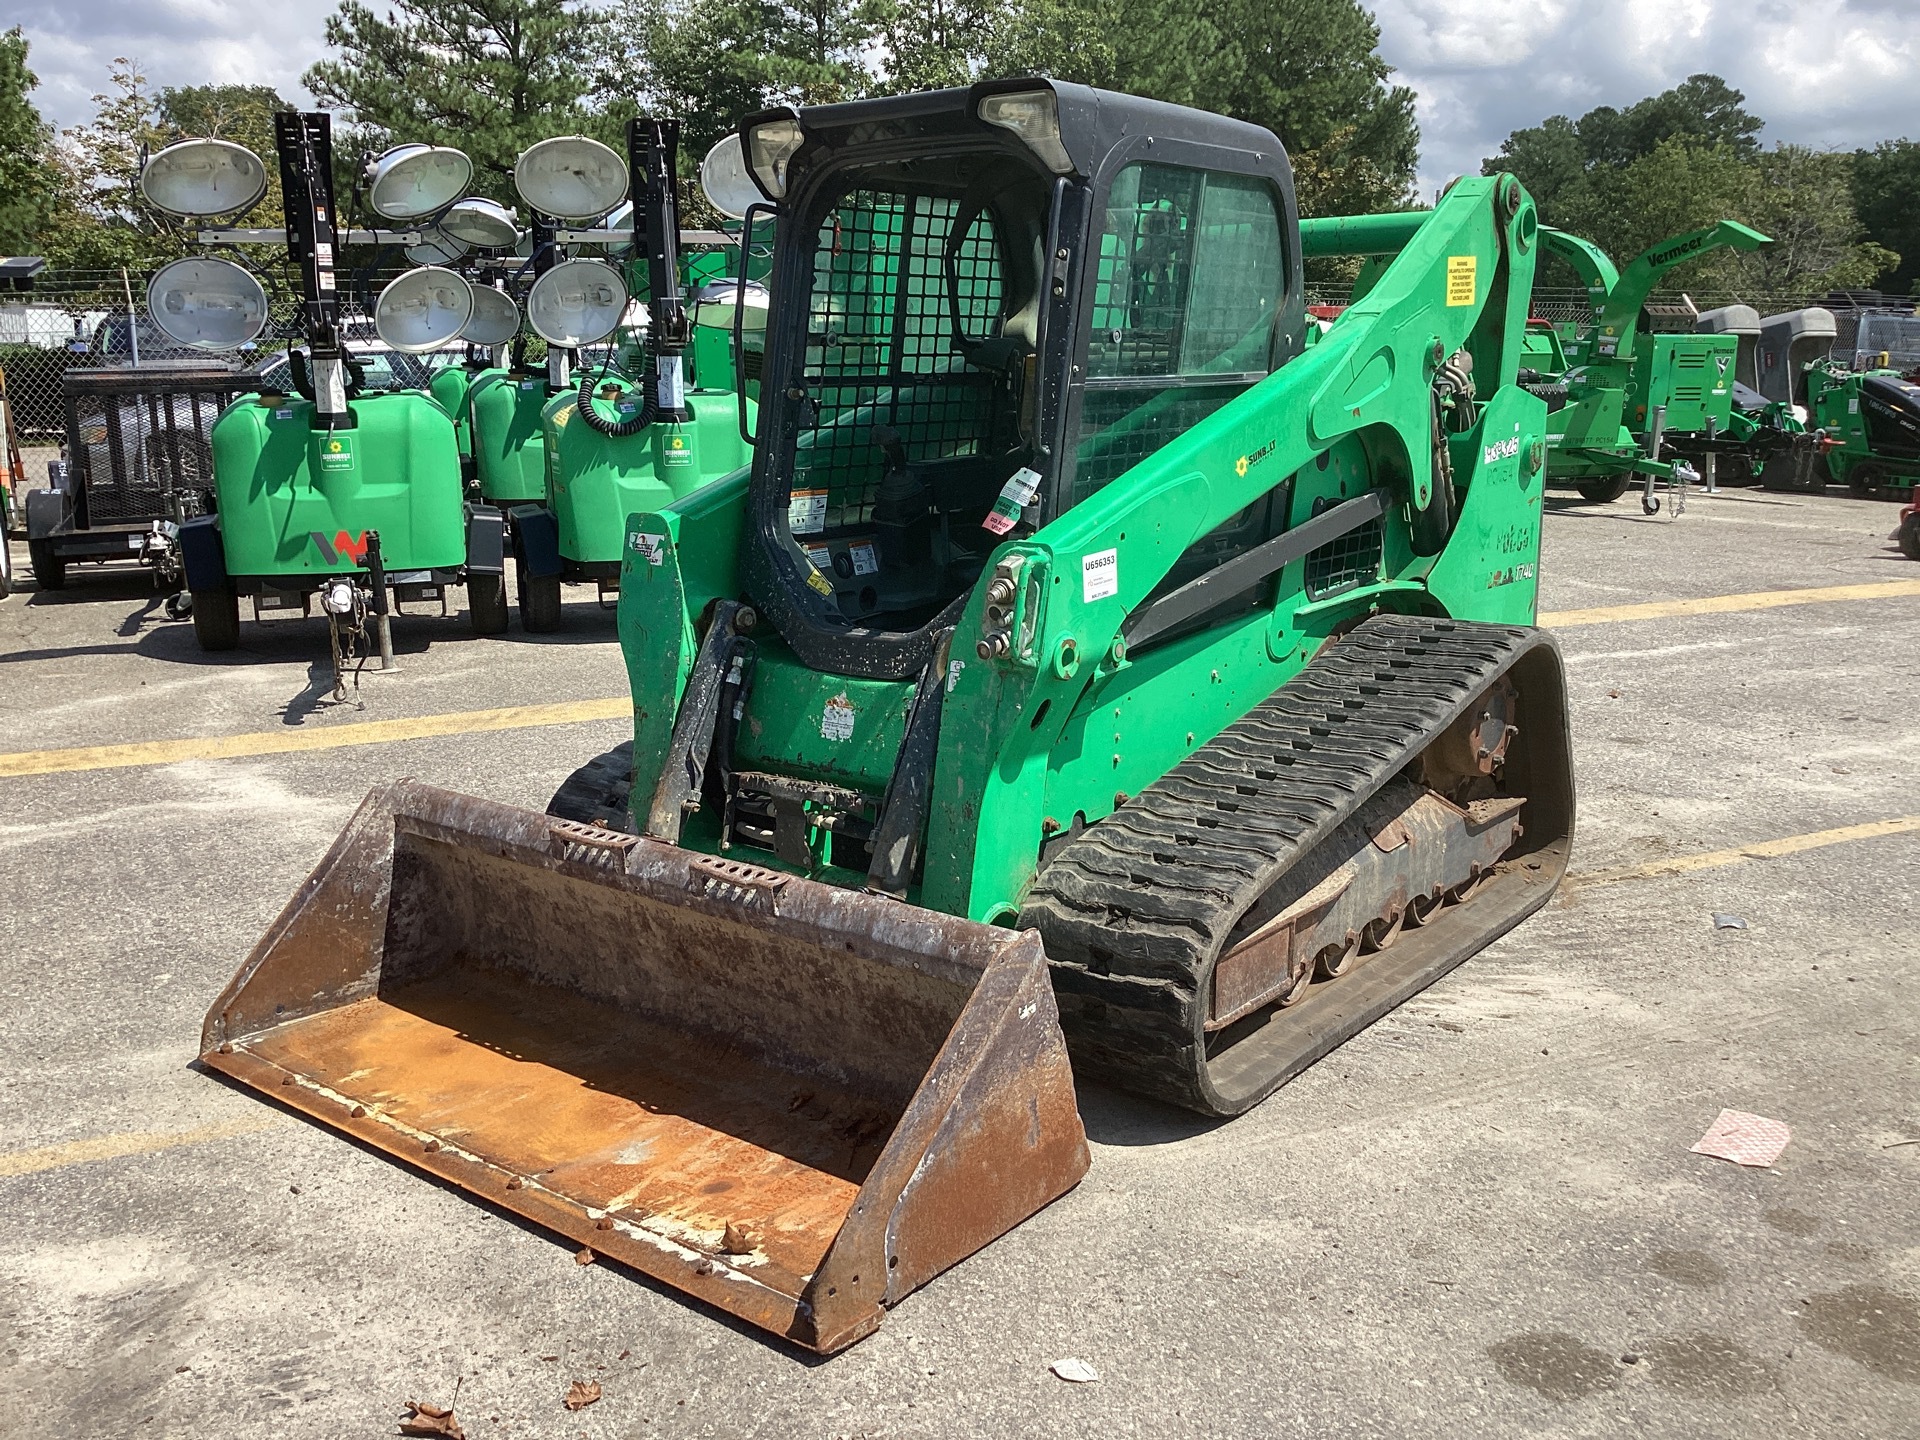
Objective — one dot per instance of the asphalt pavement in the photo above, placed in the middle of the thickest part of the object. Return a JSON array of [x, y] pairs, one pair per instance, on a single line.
[[1481, 1217]]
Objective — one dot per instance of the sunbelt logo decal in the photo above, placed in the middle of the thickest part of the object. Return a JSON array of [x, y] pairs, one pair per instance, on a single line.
[[342, 547]]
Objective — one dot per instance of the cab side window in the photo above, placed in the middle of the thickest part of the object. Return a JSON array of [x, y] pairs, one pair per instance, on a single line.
[[1190, 281]]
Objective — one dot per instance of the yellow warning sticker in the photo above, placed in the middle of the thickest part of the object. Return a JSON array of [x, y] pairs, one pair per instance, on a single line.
[[1460, 279]]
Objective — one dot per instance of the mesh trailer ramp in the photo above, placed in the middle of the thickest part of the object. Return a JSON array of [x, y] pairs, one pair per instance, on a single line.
[[795, 1102]]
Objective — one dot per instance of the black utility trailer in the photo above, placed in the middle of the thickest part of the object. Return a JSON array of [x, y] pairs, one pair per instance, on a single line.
[[138, 462]]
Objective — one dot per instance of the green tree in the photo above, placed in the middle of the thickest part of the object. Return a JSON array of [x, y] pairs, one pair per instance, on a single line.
[[101, 225], [1559, 159], [1803, 199], [488, 76], [1886, 197], [709, 62], [1703, 108], [30, 183], [1309, 71]]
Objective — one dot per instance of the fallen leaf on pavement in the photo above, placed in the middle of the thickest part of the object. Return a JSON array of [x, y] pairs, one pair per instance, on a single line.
[[424, 1419], [1076, 1370], [581, 1394]]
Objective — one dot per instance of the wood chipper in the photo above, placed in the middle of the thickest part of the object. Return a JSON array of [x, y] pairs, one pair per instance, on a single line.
[[1075, 623], [1626, 395]]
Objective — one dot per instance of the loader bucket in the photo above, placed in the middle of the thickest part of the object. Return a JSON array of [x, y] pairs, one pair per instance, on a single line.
[[793, 1101]]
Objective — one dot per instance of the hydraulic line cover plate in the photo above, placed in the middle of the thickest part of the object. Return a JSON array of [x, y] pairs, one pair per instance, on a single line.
[[793, 1101]]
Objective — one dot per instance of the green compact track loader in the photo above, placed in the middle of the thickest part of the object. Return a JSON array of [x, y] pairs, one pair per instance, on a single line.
[[1085, 667]]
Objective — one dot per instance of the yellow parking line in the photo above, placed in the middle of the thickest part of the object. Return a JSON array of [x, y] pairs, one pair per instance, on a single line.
[[325, 737], [1760, 850], [137, 1142], [1727, 604]]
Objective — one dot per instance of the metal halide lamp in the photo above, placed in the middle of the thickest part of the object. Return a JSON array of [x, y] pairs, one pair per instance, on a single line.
[[577, 303], [207, 304], [410, 181], [570, 177], [204, 177], [423, 310]]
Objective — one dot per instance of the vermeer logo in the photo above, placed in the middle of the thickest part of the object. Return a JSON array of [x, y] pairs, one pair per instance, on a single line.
[[342, 547], [1673, 253]]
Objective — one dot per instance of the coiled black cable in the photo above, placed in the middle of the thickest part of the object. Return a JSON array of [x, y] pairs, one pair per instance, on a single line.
[[648, 412]]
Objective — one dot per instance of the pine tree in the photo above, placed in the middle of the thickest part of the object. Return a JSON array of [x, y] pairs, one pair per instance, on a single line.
[[487, 76]]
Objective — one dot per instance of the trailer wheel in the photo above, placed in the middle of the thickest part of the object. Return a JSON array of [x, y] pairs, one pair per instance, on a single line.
[[540, 604], [49, 569], [216, 619], [487, 603], [1910, 537], [1604, 492]]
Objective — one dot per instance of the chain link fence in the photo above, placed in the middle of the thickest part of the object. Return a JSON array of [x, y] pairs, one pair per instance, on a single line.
[[78, 320]]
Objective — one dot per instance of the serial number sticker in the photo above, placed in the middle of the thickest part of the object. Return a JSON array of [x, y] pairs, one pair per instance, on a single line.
[[1462, 271], [654, 547], [528, 384], [284, 414], [865, 561], [807, 512], [1099, 575], [836, 718]]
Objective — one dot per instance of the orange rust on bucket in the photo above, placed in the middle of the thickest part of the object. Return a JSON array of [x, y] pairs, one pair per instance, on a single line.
[[795, 1102]]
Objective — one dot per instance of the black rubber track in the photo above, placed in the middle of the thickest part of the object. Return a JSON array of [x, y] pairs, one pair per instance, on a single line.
[[1136, 909], [597, 793]]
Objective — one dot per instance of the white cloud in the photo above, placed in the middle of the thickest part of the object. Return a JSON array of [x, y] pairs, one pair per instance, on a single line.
[[1827, 73], [72, 45], [1830, 73]]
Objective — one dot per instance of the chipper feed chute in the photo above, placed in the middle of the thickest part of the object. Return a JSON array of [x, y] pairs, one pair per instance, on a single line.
[[793, 1101]]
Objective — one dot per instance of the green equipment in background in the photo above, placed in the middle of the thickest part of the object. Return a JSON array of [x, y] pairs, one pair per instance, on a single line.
[[1626, 394], [356, 499], [1868, 422], [653, 421]]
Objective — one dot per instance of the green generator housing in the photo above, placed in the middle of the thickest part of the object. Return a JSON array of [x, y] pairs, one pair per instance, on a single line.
[[449, 388], [594, 481], [509, 439], [295, 504]]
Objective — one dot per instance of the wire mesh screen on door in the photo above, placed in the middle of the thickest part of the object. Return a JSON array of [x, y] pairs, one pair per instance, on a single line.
[[881, 347]]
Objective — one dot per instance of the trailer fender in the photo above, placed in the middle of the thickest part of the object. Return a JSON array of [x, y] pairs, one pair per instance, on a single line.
[[486, 540], [202, 555], [48, 512], [536, 539]]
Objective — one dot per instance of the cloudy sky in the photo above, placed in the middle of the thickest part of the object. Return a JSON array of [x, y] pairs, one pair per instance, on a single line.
[[1822, 72]]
